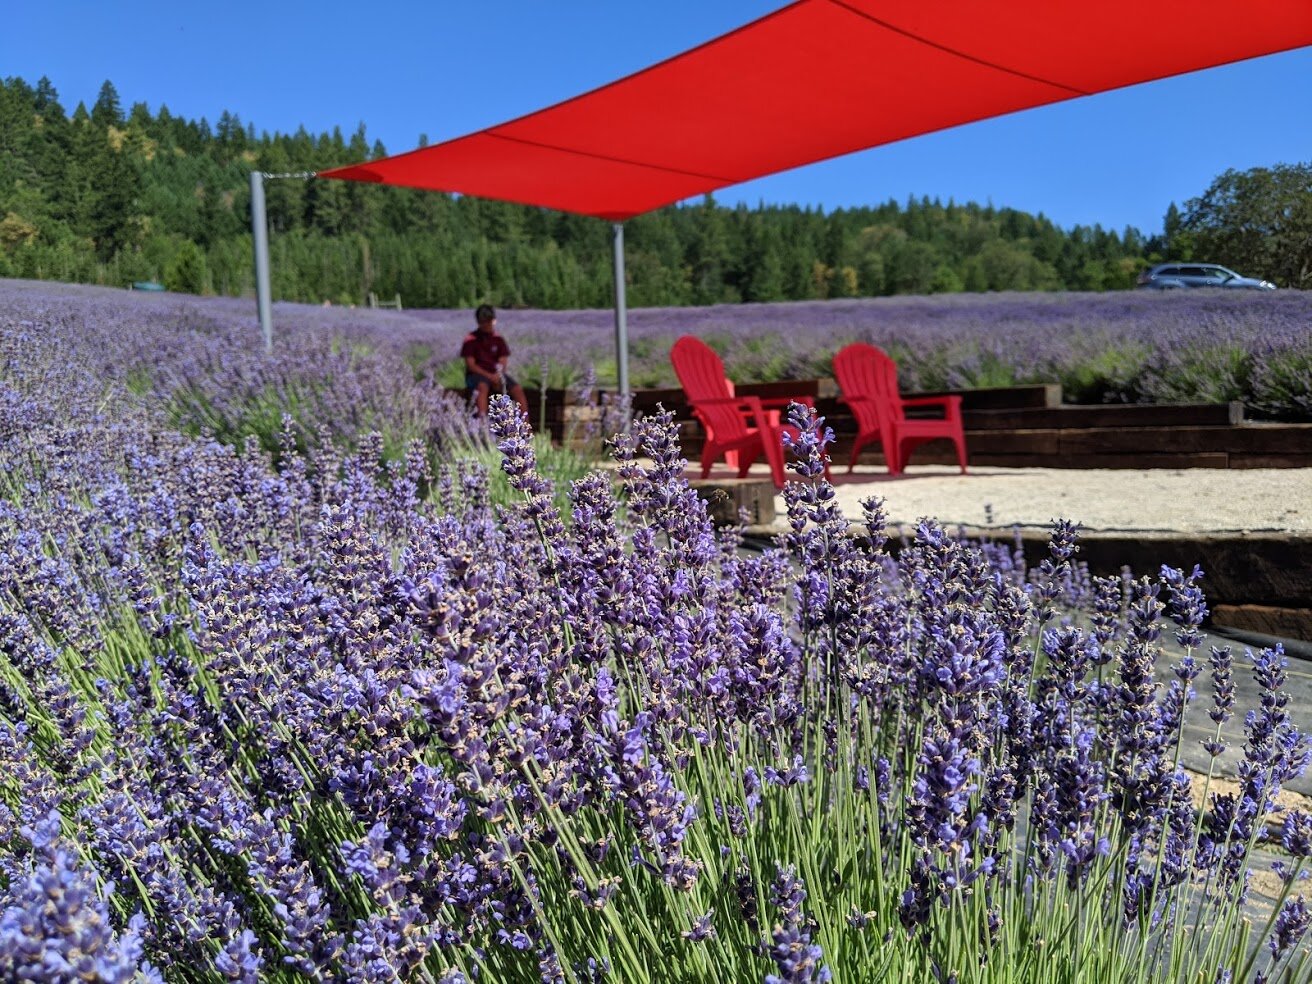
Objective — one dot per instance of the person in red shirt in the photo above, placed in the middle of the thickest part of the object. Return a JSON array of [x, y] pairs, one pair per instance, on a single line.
[[485, 354]]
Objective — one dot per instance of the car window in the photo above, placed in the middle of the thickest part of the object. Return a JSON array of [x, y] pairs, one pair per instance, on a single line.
[[1217, 273], [1167, 272], [1191, 272]]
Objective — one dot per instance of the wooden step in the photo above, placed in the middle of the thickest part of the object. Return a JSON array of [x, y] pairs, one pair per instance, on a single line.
[[1036, 395], [1267, 439], [1109, 415]]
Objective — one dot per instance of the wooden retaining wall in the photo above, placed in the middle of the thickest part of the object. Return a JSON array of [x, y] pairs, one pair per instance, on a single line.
[[1016, 426], [1029, 426], [1256, 581]]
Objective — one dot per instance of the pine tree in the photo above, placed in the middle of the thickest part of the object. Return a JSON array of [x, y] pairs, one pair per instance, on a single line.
[[767, 275], [46, 99], [710, 254], [113, 182], [107, 111], [187, 272], [1172, 225]]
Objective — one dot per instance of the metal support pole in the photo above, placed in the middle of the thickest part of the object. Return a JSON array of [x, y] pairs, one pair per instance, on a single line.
[[260, 238], [621, 317]]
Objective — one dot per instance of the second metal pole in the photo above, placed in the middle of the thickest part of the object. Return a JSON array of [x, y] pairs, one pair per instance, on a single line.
[[621, 317], [260, 239]]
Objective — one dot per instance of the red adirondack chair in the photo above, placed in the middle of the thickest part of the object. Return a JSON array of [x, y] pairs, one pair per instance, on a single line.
[[868, 379], [740, 424]]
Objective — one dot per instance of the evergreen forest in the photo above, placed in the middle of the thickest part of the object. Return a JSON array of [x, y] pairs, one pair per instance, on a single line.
[[113, 196]]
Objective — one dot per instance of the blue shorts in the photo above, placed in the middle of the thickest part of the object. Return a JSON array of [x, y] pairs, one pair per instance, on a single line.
[[473, 381]]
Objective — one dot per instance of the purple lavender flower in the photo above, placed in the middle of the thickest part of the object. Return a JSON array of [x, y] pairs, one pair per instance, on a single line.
[[1223, 683], [702, 929], [56, 927], [240, 959], [744, 886], [808, 447], [751, 790], [1185, 604], [1291, 924], [1296, 833], [792, 776], [1078, 780], [796, 958], [1106, 614], [1055, 570]]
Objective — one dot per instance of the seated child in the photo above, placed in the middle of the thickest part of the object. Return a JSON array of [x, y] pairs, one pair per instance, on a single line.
[[485, 354]]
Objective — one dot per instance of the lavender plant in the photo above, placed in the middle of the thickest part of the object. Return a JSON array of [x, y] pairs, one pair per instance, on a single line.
[[346, 720]]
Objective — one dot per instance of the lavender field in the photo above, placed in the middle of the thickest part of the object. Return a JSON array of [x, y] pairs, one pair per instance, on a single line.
[[1137, 347], [289, 692]]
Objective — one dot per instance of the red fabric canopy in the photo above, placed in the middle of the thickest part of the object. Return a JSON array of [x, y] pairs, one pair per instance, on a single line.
[[820, 78]]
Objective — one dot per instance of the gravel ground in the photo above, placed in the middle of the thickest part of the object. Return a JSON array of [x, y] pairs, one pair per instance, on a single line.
[[1195, 500]]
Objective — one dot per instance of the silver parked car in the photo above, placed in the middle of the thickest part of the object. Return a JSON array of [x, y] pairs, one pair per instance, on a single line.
[[1172, 276]]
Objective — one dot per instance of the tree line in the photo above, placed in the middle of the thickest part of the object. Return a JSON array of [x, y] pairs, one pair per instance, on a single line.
[[112, 196]]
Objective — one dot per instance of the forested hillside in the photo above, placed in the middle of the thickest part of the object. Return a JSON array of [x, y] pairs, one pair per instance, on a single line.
[[113, 195]]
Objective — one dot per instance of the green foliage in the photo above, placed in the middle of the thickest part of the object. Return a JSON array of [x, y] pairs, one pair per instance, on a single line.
[[559, 375], [1282, 384], [100, 197], [1211, 374], [989, 370], [931, 365], [417, 355], [187, 270], [259, 419], [451, 373], [607, 373], [259, 416], [1105, 369], [762, 358], [559, 465], [139, 381], [946, 281], [1258, 221], [643, 375]]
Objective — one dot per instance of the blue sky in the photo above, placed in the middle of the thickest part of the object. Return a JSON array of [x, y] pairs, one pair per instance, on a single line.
[[445, 68]]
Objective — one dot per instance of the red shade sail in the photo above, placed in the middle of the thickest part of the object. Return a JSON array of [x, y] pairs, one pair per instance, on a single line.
[[821, 78]]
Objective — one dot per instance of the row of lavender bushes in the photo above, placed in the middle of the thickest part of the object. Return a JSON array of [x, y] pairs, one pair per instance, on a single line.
[[1135, 347], [344, 720], [198, 367], [357, 370]]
